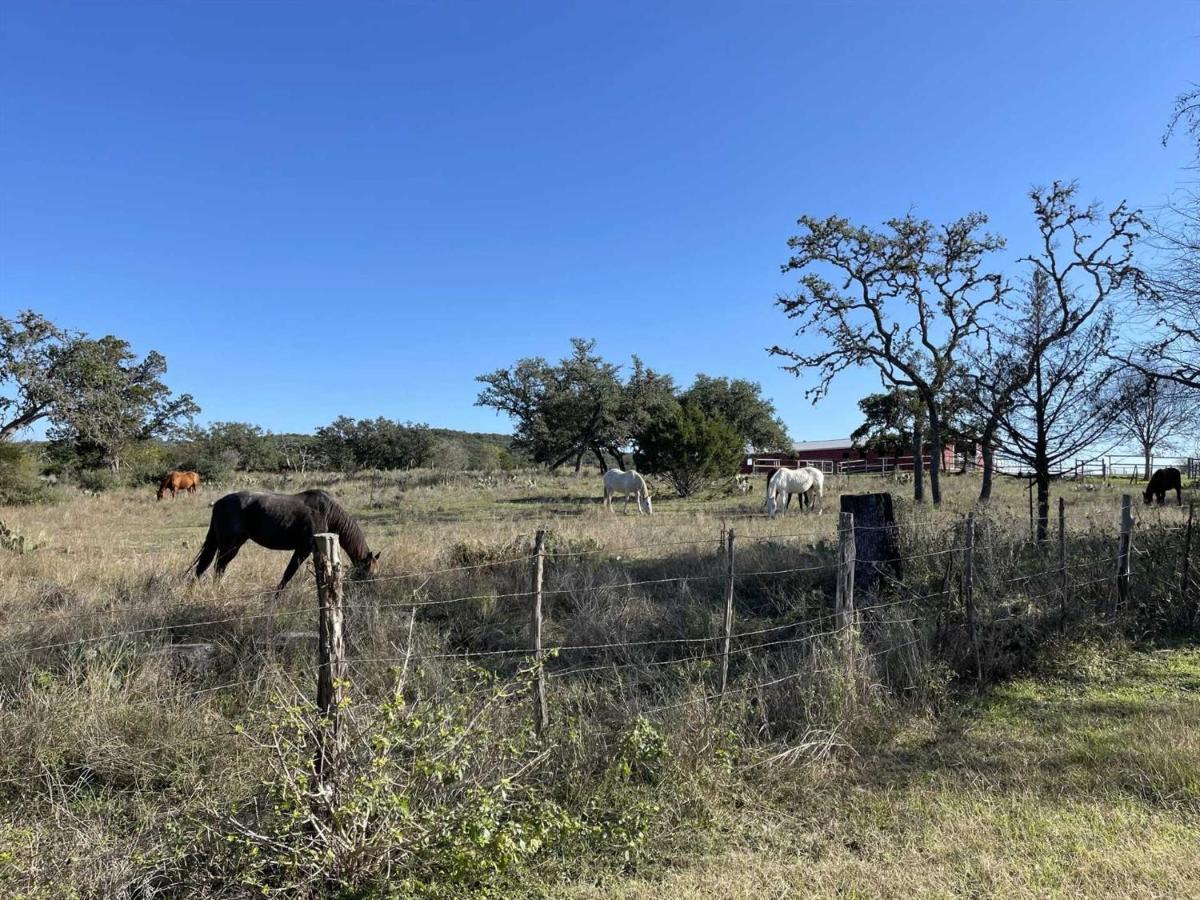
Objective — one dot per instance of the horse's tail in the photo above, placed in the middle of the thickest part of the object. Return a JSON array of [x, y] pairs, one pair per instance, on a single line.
[[208, 552]]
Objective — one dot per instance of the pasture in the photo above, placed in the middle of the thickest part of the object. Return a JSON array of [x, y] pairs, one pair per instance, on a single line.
[[155, 732]]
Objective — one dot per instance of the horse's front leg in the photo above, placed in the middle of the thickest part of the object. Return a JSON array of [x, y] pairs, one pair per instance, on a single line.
[[297, 558]]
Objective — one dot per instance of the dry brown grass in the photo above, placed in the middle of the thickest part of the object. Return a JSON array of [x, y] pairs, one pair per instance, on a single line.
[[125, 760]]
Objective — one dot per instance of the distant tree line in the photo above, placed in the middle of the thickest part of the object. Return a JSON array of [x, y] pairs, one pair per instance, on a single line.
[[344, 445]]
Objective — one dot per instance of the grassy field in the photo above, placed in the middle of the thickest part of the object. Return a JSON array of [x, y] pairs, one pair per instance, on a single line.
[[1082, 780], [131, 767]]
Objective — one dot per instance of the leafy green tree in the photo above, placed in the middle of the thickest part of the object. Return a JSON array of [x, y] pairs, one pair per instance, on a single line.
[[889, 420], [115, 399], [335, 443], [689, 448], [740, 403], [36, 370], [578, 407]]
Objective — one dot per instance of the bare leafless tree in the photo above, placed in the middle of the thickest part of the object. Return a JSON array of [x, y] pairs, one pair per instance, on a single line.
[[1056, 338], [1156, 413], [1069, 404], [1169, 306], [904, 299]]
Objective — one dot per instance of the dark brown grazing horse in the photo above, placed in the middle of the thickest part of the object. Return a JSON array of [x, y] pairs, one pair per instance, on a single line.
[[281, 522], [1161, 481], [178, 481]]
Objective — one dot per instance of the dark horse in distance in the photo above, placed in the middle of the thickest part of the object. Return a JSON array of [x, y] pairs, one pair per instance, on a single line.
[[1161, 481], [281, 522]]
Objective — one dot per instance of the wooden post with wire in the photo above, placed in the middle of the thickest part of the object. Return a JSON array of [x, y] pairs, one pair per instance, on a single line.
[[968, 591], [844, 605], [1062, 562], [332, 669], [1124, 551], [1184, 581], [541, 717], [729, 577]]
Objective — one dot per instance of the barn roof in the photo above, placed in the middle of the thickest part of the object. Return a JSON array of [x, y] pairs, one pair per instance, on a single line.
[[817, 446]]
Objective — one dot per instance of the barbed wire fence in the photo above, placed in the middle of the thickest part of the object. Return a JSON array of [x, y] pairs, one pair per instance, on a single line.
[[957, 601]]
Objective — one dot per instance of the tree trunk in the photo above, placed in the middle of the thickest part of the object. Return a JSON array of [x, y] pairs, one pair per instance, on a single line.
[[1041, 459], [1043, 505], [600, 459], [987, 439], [1146, 453], [918, 467], [935, 456], [578, 462]]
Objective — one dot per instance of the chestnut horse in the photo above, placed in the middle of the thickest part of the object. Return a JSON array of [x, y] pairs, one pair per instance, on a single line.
[[178, 481]]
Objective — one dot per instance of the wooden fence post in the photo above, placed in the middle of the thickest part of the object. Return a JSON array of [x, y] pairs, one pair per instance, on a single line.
[[541, 716], [844, 607], [1183, 568], [728, 609], [1062, 562], [968, 590], [1124, 551], [332, 669]]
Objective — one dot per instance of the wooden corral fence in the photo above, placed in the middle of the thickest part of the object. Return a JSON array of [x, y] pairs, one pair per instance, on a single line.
[[881, 466]]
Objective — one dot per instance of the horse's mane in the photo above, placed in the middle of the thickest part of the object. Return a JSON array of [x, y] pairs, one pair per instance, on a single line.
[[350, 534]]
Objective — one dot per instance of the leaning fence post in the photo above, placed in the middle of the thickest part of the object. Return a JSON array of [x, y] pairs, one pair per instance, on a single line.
[[1183, 568], [332, 669], [1124, 550], [541, 716], [968, 589], [1062, 561], [728, 609]]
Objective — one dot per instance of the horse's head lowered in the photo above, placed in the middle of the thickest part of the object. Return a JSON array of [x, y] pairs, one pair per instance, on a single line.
[[366, 566]]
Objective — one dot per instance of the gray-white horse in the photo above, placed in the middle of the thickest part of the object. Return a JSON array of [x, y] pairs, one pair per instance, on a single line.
[[786, 482], [618, 482]]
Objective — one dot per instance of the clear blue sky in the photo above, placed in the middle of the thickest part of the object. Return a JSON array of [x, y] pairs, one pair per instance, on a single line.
[[317, 208]]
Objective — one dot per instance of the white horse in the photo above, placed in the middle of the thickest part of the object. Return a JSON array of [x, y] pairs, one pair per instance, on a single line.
[[786, 482], [618, 482], [818, 487]]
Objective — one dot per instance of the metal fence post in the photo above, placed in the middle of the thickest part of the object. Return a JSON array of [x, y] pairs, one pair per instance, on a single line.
[[541, 716], [729, 577]]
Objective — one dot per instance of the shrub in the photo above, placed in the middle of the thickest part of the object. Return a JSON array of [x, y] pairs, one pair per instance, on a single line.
[[19, 481], [689, 448], [97, 479]]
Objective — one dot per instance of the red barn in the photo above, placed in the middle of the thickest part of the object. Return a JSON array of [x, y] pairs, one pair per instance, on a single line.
[[838, 456]]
